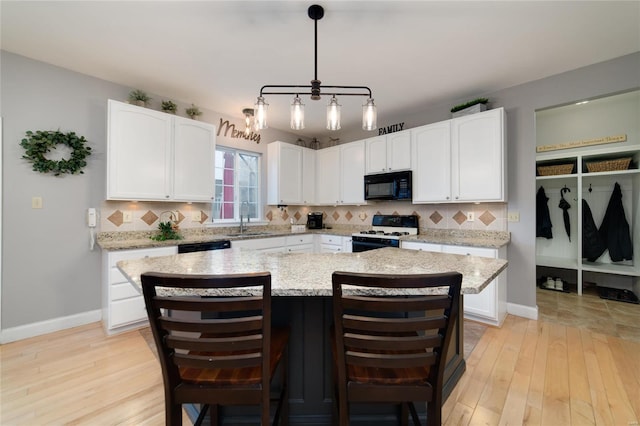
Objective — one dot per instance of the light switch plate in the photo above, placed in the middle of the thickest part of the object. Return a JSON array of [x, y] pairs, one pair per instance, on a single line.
[[36, 202], [127, 216], [196, 216], [513, 216], [471, 216]]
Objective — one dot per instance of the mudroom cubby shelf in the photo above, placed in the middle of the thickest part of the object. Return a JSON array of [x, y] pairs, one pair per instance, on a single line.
[[564, 251], [583, 150]]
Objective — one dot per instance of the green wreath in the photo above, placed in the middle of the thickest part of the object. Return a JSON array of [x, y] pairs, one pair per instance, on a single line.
[[37, 144]]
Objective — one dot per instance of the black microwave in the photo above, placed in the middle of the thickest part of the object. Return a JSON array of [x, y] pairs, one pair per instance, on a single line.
[[388, 186]]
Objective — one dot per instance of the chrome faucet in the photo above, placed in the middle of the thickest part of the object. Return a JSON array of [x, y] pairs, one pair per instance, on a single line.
[[243, 226]]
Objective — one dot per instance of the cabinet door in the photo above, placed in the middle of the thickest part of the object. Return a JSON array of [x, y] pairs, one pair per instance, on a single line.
[[352, 174], [308, 176], [399, 151], [477, 157], [413, 245], [285, 173], [483, 304], [431, 162], [376, 152], [194, 160], [138, 153], [328, 176]]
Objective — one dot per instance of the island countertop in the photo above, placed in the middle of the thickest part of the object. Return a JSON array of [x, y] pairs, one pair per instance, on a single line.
[[307, 274]]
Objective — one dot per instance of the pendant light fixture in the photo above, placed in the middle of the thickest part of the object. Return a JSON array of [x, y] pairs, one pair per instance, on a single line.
[[316, 90], [249, 123]]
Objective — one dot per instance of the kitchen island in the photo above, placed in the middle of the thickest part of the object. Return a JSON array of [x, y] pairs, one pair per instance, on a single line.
[[301, 286]]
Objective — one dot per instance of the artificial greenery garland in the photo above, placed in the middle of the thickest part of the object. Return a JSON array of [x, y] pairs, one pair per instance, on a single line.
[[37, 144], [469, 104]]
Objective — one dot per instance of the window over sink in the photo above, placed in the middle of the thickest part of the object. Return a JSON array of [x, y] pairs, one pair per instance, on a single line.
[[237, 186]]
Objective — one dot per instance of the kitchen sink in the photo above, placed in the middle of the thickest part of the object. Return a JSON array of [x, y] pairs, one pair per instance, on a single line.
[[248, 234]]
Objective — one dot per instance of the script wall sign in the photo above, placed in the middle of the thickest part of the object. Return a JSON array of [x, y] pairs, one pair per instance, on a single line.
[[582, 142]]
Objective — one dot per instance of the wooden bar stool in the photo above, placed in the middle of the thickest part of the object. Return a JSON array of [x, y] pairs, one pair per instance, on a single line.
[[229, 357], [391, 348]]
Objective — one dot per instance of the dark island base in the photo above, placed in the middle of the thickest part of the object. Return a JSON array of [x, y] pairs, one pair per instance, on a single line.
[[310, 369]]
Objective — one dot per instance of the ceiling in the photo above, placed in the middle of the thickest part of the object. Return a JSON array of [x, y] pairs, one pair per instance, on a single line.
[[218, 54]]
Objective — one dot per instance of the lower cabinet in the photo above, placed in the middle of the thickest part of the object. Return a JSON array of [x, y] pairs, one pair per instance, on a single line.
[[490, 305], [331, 244], [300, 244], [122, 305]]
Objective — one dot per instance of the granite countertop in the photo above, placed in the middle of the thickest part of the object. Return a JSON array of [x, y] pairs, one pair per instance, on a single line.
[[138, 240], [306, 274]]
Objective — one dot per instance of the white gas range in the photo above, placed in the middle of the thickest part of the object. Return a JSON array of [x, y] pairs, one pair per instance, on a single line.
[[385, 231]]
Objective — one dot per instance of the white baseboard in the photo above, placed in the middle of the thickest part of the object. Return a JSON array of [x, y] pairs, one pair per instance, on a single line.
[[49, 326], [530, 312]]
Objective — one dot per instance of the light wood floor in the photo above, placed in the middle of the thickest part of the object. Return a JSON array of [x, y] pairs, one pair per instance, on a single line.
[[527, 372]]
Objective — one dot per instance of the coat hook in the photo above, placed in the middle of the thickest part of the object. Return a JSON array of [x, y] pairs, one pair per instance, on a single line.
[[590, 188]]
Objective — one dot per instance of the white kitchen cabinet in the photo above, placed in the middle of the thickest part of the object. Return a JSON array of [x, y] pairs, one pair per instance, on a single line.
[[431, 157], [352, 173], [194, 151], [460, 160], [346, 185], [478, 157], [122, 305], [331, 244], [388, 153], [413, 245], [308, 176], [328, 176], [490, 305], [300, 243], [138, 153], [347, 244], [267, 245], [284, 165], [156, 156]]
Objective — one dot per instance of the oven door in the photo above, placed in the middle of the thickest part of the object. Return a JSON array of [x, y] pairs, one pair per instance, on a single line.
[[360, 244]]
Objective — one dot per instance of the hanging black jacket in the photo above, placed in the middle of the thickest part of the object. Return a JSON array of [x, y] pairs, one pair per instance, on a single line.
[[592, 244], [614, 230], [543, 219]]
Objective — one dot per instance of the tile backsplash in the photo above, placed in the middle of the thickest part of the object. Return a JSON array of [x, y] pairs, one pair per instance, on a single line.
[[145, 216]]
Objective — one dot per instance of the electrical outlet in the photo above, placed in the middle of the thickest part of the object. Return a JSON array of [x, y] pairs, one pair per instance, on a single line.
[[196, 216], [362, 215], [36, 202], [471, 216], [127, 216], [513, 216]]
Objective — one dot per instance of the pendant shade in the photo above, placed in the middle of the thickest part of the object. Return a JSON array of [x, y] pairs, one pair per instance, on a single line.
[[369, 115], [297, 114], [333, 114], [260, 111]]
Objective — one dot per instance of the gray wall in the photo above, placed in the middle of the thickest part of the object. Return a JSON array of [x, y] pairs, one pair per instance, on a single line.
[[47, 269]]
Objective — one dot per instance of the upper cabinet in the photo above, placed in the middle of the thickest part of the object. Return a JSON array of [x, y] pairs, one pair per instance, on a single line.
[[328, 176], [347, 185], [352, 173], [460, 160], [158, 157], [291, 170], [284, 164], [194, 150], [388, 153]]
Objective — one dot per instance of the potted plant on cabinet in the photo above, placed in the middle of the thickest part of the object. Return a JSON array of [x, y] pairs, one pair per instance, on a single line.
[[193, 112], [139, 97], [169, 107], [471, 107]]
